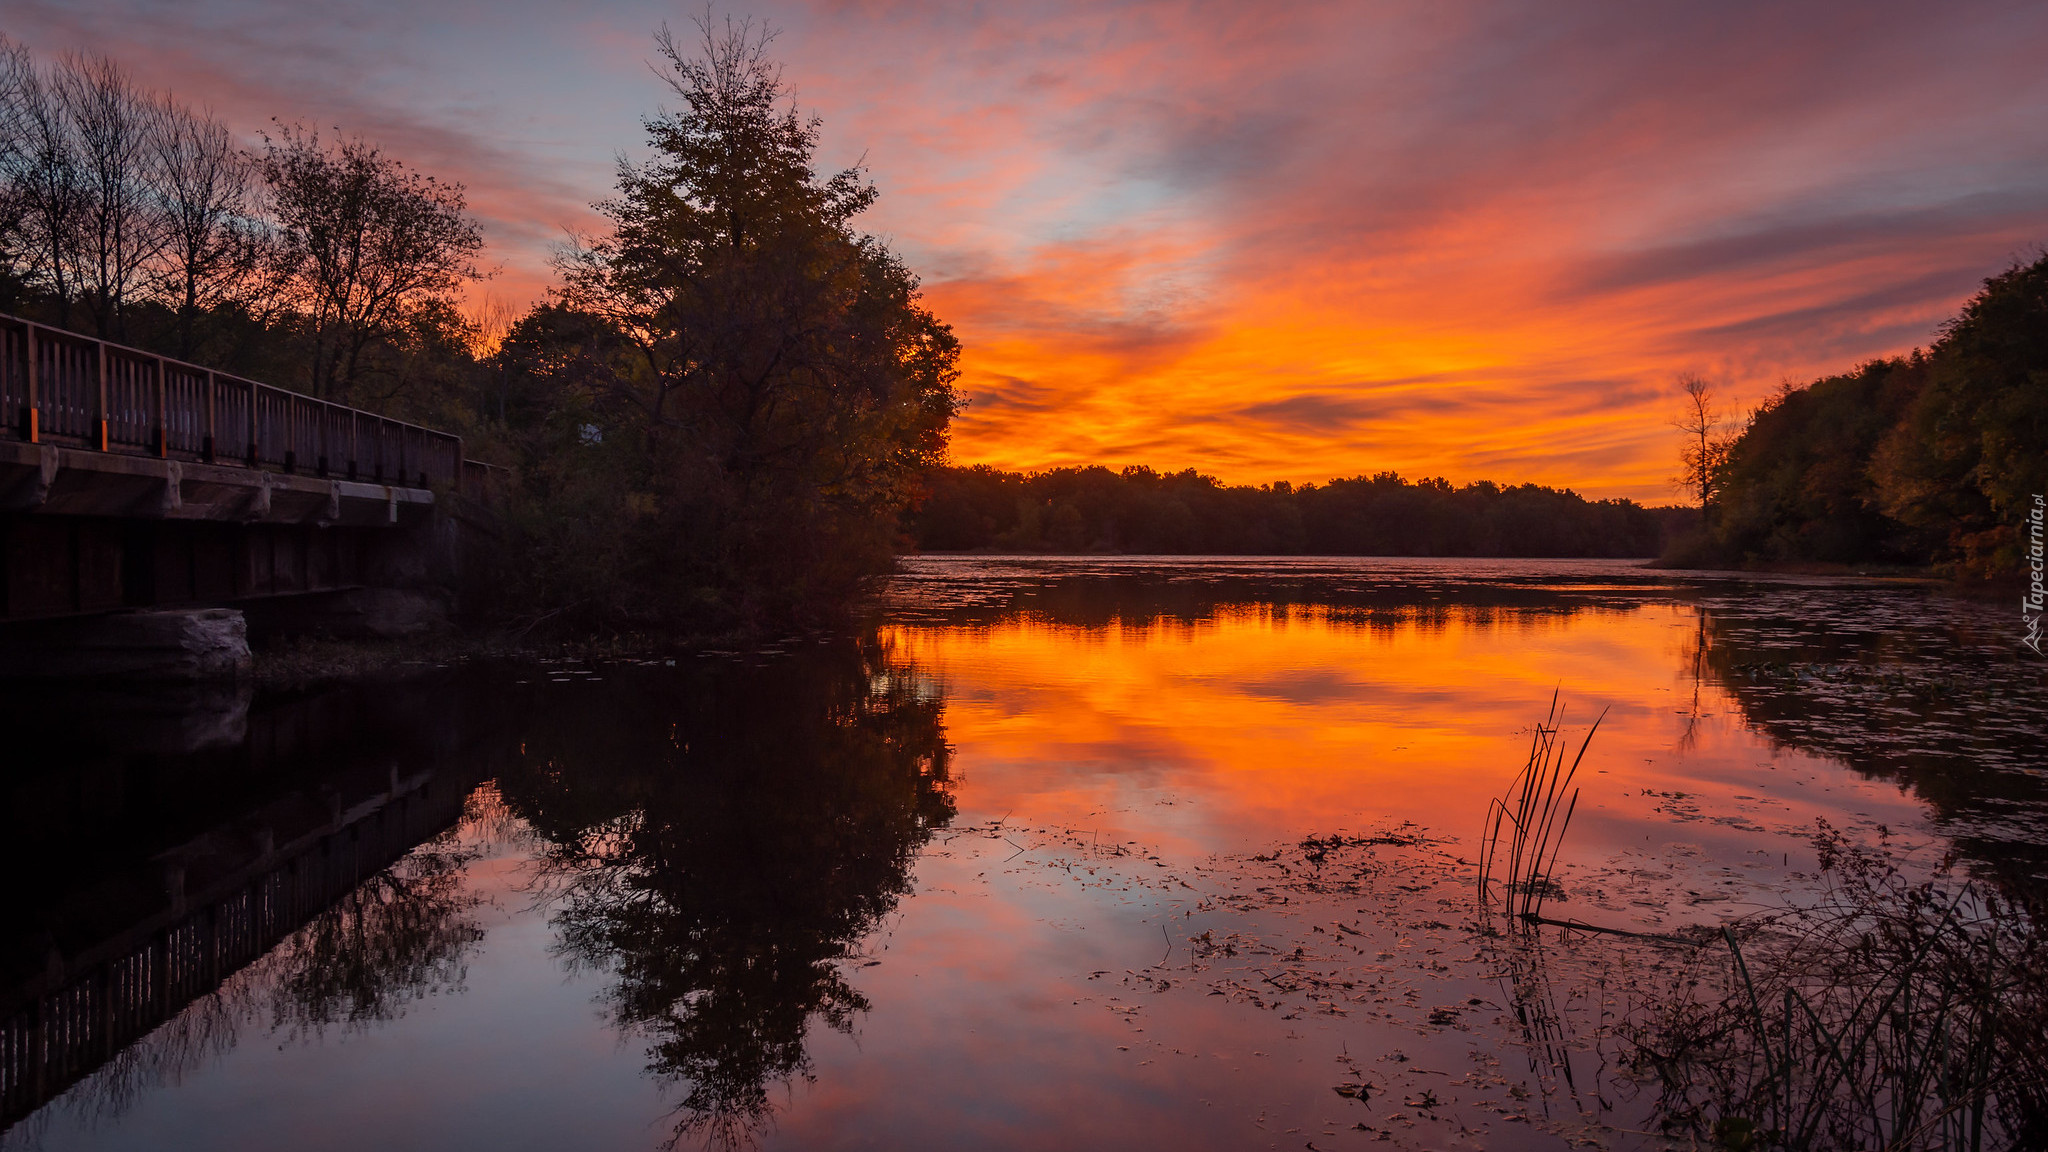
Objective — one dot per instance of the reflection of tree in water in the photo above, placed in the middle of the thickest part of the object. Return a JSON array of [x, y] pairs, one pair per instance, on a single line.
[[403, 934], [400, 936], [1928, 692], [721, 843]]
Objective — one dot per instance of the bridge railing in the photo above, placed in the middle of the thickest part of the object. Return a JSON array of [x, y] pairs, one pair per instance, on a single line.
[[62, 388]]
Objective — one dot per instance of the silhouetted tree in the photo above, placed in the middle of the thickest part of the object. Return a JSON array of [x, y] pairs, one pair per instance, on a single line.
[[1931, 458], [214, 247], [46, 181], [17, 74], [119, 233], [760, 384], [366, 244], [1706, 443]]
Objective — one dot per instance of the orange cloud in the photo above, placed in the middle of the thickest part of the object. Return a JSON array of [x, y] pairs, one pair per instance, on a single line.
[[1478, 245]]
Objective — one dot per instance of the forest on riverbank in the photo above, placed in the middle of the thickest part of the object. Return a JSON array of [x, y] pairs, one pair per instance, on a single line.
[[1938, 457], [1139, 510]]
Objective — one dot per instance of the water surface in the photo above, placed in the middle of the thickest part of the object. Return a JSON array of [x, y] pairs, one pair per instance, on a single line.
[[1062, 853]]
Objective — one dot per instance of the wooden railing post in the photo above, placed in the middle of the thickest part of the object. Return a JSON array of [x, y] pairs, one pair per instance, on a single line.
[[32, 419], [163, 424], [206, 438], [253, 435], [101, 348]]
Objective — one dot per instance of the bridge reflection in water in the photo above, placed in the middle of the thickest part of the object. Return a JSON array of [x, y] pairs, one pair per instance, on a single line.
[[192, 845]]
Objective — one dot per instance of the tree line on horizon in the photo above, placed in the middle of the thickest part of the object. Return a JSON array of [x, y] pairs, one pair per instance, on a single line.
[[1934, 458], [1139, 510]]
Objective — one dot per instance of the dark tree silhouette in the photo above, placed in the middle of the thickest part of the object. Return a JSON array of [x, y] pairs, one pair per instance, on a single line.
[[754, 385], [365, 243], [1141, 511], [1706, 443], [1931, 458]]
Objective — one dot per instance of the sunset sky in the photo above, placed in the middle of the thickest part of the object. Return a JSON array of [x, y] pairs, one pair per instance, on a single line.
[[1269, 242]]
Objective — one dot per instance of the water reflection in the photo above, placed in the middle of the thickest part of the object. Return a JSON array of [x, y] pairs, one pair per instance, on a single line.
[[1127, 592], [721, 844], [276, 879], [1327, 666], [717, 851], [1913, 687], [716, 842], [401, 936]]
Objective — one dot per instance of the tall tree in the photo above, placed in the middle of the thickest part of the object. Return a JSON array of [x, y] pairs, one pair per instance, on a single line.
[[119, 231], [16, 73], [213, 241], [46, 183], [366, 244], [1706, 441], [779, 375]]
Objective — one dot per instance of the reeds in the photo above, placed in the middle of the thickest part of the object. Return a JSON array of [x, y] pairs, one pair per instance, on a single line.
[[1532, 817], [1893, 1014]]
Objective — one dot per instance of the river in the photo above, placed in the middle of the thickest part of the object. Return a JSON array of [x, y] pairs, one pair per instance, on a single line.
[[1059, 853]]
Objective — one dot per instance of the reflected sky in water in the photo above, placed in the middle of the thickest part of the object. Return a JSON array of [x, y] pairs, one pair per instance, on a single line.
[[1355, 692], [967, 879]]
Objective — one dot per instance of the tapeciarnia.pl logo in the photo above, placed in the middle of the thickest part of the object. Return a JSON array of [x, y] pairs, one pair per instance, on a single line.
[[2031, 605]]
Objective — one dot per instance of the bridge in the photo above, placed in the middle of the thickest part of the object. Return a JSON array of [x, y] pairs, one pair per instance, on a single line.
[[132, 480]]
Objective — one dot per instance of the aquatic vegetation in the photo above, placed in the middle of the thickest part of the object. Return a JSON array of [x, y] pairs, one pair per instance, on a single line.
[[1898, 1010], [1533, 816], [1894, 1013]]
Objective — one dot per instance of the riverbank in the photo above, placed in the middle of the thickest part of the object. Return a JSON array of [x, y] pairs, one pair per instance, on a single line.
[[1802, 568]]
